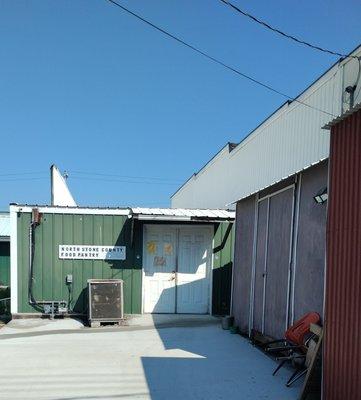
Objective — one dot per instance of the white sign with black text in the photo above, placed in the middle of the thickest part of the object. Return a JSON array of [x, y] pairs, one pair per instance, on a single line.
[[90, 252]]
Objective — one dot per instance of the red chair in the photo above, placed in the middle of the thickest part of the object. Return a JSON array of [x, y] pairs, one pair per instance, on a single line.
[[295, 342], [295, 335]]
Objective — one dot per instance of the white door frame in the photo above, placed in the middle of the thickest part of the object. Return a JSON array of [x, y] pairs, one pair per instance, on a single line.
[[209, 268]]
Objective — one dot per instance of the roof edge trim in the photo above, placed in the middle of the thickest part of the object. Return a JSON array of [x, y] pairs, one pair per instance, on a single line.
[[343, 116], [278, 181]]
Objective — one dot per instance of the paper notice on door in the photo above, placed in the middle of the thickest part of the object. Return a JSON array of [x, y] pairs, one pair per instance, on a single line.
[[168, 249], [159, 261], [151, 247]]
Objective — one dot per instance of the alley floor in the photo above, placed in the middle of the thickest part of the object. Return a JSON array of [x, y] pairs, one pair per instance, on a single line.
[[199, 361]]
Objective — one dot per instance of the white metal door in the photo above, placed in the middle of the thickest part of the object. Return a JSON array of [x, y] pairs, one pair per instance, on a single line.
[[193, 274], [159, 268]]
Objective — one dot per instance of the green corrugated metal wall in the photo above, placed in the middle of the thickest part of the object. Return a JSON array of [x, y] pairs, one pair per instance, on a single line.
[[50, 271], [222, 268], [4, 263]]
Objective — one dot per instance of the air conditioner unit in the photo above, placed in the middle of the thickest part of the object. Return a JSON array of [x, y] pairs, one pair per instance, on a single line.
[[105, 298]]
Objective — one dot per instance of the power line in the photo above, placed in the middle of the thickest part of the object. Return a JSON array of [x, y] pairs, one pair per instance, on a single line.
[[23, 173], [127, 176], [22, 179], [24, 176], [286, 35], [124, 181], [236, 71]]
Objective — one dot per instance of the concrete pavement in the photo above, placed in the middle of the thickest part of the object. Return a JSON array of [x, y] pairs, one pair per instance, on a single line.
[[197, 361], [23, 326]]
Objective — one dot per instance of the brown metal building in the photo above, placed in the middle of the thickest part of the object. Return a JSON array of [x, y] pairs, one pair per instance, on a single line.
[[342, 346], [280, 254]]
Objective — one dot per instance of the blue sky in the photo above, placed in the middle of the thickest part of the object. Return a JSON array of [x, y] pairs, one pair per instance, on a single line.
[[93, 90]]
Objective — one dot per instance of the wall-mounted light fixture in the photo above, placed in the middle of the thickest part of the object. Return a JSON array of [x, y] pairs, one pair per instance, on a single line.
[[351, 91], [321, 196]]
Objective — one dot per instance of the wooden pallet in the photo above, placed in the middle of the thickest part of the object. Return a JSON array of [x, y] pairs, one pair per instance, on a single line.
[[98, 324]]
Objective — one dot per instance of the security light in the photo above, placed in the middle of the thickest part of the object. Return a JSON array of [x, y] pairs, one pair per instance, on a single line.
[[351, 91], [321, 196]]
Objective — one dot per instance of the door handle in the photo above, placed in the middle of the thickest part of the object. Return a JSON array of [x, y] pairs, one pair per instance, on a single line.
[[173, 277]]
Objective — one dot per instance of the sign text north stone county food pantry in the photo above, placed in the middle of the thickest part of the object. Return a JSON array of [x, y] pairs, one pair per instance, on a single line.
[[89, 252]]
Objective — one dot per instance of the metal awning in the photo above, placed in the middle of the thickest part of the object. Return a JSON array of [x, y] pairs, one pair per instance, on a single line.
[[181, 214], [141, 213]]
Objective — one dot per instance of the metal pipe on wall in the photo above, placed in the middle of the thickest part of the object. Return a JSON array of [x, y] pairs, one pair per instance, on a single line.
[[54, 305]]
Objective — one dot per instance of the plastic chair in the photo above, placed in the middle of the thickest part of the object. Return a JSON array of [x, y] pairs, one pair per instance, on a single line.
[[295, 342], [295, 335]]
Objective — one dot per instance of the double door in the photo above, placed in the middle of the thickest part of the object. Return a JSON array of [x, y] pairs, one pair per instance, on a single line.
[[271, 286], [177, 263]]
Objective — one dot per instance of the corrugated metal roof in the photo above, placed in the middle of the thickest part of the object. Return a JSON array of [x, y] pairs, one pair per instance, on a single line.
[[4, 225], [68, 207], [157, 213], [343, 116], [280, 180], [288, 141], [69, 210], [184, 212]]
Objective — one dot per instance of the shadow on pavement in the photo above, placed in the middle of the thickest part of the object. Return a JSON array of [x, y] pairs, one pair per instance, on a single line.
[[210, 363]]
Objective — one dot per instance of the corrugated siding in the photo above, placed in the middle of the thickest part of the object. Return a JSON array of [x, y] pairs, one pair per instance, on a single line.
[[287, 142], [4, 263], [222, 268], [290, 141], [50, 271], [342, 347]]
